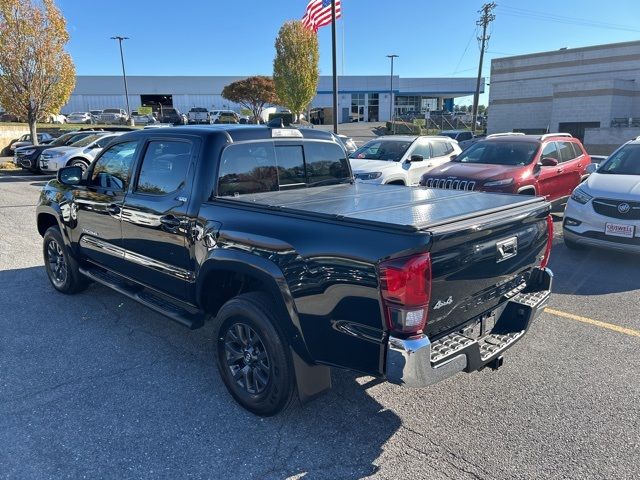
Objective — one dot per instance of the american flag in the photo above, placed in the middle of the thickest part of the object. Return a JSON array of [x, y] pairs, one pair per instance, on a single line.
[[318, 14]]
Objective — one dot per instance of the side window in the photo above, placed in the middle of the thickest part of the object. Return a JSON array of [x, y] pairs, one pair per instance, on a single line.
[[566, 151], [247, 168], [467, 136], [550, 151], [325, 162], [113, 169], [164, 167], [439, 148], [102, 142], [290, 163], [422, 148], [577, 151]]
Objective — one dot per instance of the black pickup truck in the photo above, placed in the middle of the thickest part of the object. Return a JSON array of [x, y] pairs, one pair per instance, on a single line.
[[264, 232]]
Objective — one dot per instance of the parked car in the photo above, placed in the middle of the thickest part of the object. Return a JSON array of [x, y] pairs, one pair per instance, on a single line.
[[215, 114], [113, 115], [28, 157], [227, 117], [80, 117], [25, 140], [143, 119], [95, 115], [464, 138], [604, 211], [80, 154], [399, 159], [173, 116], [198, 115], [56, 118], [8, 117], [550, 165], [301, 270], [348, 143]]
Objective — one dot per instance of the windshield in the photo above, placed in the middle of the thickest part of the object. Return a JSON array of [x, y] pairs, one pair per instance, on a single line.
[[625, 161], [78, 113], [388, 150], [111, 110], [499, 153], [203, 110], [62, 139], [86, 141]]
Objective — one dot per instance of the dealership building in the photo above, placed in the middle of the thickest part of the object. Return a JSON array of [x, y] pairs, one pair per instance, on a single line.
[[360, 98], [591, 92]]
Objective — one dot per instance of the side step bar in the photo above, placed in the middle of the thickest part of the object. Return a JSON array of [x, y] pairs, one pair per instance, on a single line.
[[146, 297]]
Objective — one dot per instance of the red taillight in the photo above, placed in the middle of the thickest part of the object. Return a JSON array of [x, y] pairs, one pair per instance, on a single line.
[[547, 251], [405, 285]]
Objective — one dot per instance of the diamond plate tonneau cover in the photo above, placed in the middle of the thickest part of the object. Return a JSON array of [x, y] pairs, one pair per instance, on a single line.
[[407, 208]]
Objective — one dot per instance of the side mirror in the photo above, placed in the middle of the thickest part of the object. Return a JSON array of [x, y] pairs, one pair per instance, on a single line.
[[416, 158], [591, 168], [70, 176], [549, 162], [453, 157]]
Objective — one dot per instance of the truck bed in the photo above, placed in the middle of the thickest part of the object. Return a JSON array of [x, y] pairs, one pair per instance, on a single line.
[[396, 206]]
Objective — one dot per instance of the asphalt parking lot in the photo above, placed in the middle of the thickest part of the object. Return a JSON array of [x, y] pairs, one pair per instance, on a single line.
[[96, 386]]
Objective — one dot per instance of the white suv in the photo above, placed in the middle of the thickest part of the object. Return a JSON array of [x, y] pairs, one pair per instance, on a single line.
[[401, 160], [604, 210]]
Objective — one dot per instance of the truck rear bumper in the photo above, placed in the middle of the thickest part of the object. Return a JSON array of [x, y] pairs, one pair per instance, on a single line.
[[419, 362]]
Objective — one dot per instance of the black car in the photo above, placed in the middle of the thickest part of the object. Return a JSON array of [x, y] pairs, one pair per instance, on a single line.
[[27, 157], [173, 116], [263, 232]]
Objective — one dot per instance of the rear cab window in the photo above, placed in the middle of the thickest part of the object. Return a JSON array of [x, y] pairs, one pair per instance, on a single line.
[[269, 166]]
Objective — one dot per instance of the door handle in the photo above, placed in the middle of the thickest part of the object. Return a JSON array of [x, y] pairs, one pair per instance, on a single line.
[[560, 170], [170, 221], [113, 209]]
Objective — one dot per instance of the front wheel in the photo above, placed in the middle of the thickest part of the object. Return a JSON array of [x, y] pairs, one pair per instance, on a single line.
[[62, 269], [79, 163], [253, 355]]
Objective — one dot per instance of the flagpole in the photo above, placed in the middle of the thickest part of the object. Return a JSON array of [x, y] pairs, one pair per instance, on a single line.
[[335, 75]]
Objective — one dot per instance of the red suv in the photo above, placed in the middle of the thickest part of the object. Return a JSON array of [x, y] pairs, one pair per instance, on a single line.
[[550, 165]]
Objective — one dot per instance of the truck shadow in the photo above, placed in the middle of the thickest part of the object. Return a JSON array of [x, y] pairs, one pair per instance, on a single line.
[[593, 271], [99, 377]]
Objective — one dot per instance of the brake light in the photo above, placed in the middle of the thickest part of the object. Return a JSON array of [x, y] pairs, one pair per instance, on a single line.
[[547, 251], [405, 286]]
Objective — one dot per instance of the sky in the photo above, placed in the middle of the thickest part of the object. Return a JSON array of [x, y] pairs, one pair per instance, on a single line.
[[236, 37]]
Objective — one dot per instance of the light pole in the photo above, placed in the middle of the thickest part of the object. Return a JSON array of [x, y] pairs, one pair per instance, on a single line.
[[124, 74], [391, 112]]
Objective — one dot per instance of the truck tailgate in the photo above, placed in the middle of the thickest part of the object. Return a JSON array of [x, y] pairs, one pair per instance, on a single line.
[[476, 262]]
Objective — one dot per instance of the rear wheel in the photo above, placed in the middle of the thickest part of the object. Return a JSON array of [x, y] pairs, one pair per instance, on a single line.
[[253, 355], [62, 269]]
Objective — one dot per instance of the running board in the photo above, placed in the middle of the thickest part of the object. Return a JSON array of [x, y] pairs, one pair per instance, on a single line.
[[146, 297]]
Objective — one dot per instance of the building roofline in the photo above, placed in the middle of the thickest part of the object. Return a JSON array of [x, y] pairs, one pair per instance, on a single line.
[[569, 50]]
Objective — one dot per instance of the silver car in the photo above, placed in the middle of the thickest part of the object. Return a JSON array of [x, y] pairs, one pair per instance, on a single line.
[[604, 210]]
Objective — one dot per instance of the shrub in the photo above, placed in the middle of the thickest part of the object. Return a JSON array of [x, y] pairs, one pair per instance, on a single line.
[[403, 128]]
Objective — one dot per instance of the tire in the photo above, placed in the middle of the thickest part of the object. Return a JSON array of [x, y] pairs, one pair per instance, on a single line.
[[571, 245], [253, 355], [80, 163], [62, 268]]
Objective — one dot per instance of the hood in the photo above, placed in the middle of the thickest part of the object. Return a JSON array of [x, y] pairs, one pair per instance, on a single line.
[[474, 171], [623, 187], [364, 165], [62, 150]]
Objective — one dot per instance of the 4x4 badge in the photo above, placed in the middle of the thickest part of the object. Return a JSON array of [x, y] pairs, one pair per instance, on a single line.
[[443, 303]]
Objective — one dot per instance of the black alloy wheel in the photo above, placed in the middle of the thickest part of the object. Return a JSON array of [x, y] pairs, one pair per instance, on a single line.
[[247, 358], [56, 263]]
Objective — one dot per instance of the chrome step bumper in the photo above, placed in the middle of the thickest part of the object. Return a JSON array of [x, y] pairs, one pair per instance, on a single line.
[[418, 362]]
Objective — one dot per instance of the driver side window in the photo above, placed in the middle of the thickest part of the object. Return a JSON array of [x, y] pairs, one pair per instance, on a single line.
[[550, 150], [112, 170]]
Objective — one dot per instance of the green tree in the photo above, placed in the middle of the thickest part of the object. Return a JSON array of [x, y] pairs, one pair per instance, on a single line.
[[482, 109], [295, 68], [37, 76], [252, 93]]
